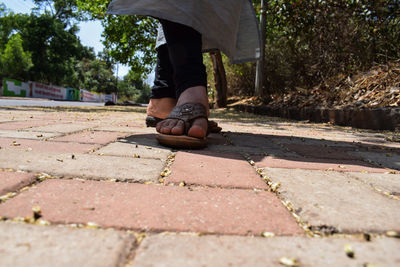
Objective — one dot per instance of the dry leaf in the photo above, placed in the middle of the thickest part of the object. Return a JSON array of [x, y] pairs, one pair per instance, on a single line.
[[15, 143], [37, 212], [92, 225], [275, 186], [267, 234], [42, 222], [349, 251], [288, 261], [165, 173], [393, 234]]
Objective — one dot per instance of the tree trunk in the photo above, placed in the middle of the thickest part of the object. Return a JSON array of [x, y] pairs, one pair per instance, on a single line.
[[221, 85], [260, 79]]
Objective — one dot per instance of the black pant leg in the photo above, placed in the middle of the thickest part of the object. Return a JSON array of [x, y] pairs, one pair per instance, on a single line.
[[185, 53], [164, 85]]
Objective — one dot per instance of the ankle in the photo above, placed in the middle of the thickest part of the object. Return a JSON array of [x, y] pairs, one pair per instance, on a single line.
[[160, 107], [197, 94]]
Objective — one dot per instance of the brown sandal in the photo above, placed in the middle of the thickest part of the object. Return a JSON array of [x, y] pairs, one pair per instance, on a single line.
[[213, 127], [187, 113]]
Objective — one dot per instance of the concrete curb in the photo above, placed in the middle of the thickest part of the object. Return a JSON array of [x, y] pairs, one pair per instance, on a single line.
[[376, 119]]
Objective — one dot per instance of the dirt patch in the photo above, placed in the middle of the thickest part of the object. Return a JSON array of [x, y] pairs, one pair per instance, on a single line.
[[377, 88], [369, 100]]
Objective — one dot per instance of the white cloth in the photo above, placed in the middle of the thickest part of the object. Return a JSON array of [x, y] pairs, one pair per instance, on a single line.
[[228, 25]]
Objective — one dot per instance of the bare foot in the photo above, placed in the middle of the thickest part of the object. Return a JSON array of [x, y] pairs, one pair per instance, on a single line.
[[160, 108], [199, 126]]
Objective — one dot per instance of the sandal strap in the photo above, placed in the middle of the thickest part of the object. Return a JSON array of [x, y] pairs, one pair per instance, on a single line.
[[187, 113]]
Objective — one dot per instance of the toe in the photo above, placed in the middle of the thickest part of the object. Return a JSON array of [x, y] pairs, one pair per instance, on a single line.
[[178, 128], [199, 128], [159, 126], [166, 126]]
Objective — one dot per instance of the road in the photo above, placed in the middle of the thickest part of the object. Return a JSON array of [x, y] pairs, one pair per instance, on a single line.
[[44, 103]]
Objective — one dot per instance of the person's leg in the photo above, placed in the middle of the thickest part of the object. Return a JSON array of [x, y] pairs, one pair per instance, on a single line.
[[190, 78], [163, 95]]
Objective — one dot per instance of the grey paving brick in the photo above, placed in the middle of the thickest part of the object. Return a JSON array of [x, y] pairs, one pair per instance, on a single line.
[[251, 144], [84, 166], [186, 250], [29, 245], [61, 128], [382, 181], [389, 160], [125, 129], [278, 152], [27, 135], [139, 149], [326, 198], [312, 140], [251, 140]]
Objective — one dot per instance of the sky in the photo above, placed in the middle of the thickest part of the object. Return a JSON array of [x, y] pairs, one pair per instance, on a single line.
[[89, 34]]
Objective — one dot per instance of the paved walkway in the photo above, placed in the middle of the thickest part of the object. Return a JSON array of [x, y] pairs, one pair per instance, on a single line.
[[90, 186]]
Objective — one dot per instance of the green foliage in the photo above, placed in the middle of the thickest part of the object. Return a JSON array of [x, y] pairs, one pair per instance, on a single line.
[[240, 77], [96, 8], [46, 42], [65, 11], [311, 41], [43, 46], [95, 75], [2, 9], [54, 46], [308, 42], [134, 88], [129, 39], [14, 61]]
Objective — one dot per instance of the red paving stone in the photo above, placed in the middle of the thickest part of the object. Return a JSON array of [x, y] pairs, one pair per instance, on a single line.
[[323, 152], [250, 140], [216, 139], [155, 207], [317, 164], [12, 181], [55, 118], [18, 125], [214, 169], [45, 146], [92, 137], [128, 124]]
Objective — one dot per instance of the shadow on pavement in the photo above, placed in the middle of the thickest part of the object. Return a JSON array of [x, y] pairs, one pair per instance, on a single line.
[[271, 150]]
